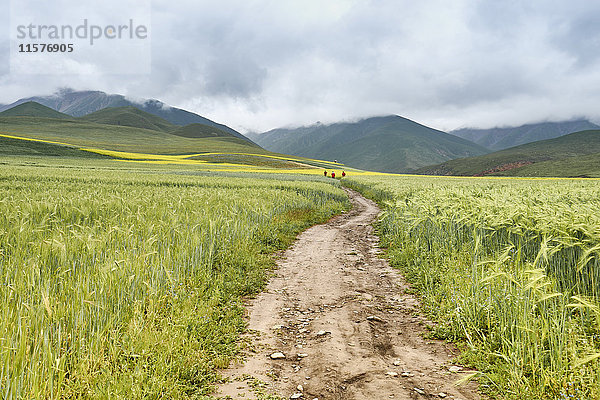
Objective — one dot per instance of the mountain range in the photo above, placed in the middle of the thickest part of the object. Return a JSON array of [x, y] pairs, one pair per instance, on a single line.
[[386, 144], [81, 103]]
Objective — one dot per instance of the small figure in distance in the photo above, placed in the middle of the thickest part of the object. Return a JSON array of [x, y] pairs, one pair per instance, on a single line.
[[325, 173], [343, 174], [333, 175]]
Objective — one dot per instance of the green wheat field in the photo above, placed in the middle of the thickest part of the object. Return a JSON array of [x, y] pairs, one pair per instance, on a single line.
[[126, 279], [509, 268]]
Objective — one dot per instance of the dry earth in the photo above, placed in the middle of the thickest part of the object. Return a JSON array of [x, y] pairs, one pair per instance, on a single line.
[[343, 320]]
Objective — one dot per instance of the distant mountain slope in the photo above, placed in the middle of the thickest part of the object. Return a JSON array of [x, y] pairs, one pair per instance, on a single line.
[[386, 144], [504, 138], [572, 167], [80, 103], [199, 131], [129, 116], [33, 109], [570, 155]]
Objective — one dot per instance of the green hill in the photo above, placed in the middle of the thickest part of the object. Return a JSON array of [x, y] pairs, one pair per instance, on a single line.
[[576, 154], [129, 116], [504, 138], [33, 109], [386, 144]]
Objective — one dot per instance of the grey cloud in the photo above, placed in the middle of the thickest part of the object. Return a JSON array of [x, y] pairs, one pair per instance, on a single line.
[[4, 38], [484, 87], [580, 38], [259, 64], [235, 76]]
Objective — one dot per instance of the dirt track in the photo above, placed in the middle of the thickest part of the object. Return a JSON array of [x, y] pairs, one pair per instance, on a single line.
[[341, 317]]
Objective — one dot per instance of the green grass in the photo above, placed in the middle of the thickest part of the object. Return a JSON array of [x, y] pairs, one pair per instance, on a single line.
[[509, 268], [129, 116], [18, 147], [200, 131], [567, 156], [127, 282], [249, 160]]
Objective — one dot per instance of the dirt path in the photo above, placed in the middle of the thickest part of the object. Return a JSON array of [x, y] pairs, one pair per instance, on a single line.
[[341, 317]]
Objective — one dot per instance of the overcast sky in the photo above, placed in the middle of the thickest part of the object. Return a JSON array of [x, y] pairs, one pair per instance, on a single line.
[[258, 65]]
